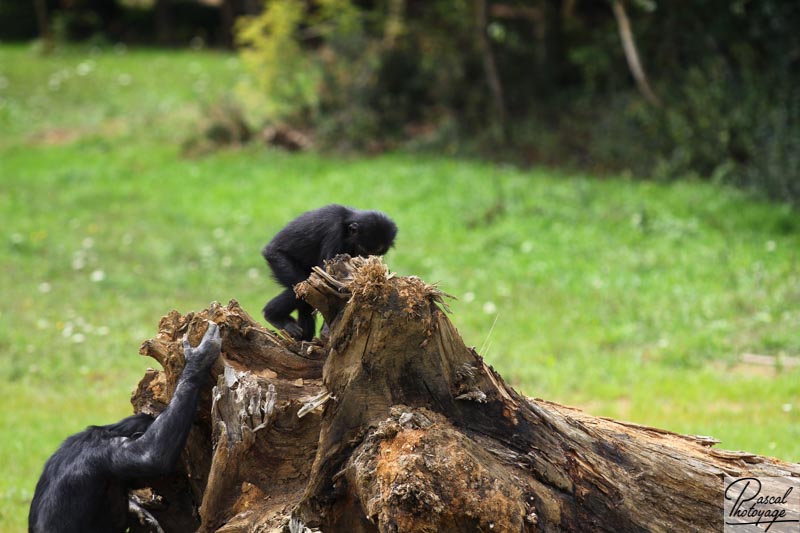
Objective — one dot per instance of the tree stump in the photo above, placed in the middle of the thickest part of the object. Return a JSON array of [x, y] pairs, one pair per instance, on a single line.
[[406, 429]]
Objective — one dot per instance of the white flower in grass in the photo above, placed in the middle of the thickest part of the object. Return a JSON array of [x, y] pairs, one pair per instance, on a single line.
[[253, 273], [97, 276], [597, 283], [45, 287], [84, 68], [489, 308], [503, 290], [469, 297]]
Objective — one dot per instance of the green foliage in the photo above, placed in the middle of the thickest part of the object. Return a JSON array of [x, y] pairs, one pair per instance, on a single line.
[[392, 71], [742, 131], [363, 76], [775, 167], [348, 59], [730, 98], [285, 79]]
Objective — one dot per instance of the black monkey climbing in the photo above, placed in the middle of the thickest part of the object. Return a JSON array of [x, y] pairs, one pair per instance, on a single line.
[[306, 242], [84, 485]]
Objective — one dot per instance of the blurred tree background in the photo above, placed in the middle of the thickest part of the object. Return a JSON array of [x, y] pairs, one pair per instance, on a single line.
[[705, 88]]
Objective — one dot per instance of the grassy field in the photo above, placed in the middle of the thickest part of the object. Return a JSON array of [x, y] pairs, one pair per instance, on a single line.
[[632, 300]]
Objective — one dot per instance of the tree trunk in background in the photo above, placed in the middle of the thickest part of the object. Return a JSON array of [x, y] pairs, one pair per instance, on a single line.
[[253, 7], [43, 22], [407, 429], [631, 55], [228, 14], [490, 68], [163, 22], [550, 50]]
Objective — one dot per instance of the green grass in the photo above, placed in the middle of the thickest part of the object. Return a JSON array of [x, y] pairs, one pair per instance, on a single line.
[[632, 300]]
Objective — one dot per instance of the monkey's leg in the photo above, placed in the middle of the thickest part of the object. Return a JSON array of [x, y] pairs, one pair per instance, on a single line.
[[306, 320], [286, 270], [278, 313]]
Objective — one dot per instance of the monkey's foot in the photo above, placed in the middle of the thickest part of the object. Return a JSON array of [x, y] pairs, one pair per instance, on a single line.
[[290, 326], [135, 507]]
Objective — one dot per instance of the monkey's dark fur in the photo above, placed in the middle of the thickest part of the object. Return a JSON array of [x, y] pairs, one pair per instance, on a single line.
[[84, 485], [306, 242]]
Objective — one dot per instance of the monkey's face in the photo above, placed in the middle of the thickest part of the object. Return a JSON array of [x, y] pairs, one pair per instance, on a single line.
[[372, 248], [372, 234], [374, 241]]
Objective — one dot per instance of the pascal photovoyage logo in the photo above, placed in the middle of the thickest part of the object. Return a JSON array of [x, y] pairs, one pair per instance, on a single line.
[[759, 504]]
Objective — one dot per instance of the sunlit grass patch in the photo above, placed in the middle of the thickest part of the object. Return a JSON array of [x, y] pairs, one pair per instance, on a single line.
[[108, 92]]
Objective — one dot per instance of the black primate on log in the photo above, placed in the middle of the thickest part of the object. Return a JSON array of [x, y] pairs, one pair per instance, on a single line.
[[306, 242], [84, 485]]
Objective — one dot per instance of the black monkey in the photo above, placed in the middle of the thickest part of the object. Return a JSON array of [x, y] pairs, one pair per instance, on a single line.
[[307, 241], [84, 485]]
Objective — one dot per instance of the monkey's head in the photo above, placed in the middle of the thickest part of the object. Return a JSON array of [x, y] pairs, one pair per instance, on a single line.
[[370, 233]]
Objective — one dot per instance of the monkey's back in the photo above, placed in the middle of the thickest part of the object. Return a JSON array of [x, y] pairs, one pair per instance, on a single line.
[[302, 239]]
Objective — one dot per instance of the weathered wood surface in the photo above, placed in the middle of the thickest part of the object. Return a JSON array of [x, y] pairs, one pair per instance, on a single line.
[[248, 454], [419, 434]]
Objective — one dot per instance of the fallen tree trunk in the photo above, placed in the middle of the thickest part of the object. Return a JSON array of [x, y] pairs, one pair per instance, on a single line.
[[407, 429]]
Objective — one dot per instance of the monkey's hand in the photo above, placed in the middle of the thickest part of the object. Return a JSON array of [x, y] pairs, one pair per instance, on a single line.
[[204, 355]]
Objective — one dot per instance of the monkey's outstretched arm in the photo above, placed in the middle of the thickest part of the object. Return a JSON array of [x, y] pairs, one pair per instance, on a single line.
[[157, 451]]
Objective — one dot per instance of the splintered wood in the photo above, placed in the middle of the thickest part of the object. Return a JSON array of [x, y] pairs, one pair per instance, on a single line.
[[404, 428]]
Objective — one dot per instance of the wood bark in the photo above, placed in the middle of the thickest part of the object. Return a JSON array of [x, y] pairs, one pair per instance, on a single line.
[[418, 433], [164, 33], [43, 23]]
